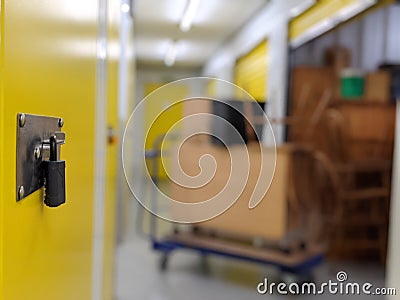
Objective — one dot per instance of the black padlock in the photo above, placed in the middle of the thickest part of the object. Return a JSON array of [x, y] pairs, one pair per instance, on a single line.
[[55, 177]]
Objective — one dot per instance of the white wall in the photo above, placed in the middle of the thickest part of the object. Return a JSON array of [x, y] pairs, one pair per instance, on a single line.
[[270, 23], [393, 261], [374, 39], [126, 86], [351, 36], [277, 77], [392, 34]]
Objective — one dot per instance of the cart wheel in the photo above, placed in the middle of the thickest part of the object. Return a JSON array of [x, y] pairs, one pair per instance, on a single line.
[[163, 262], [300, 279], [289, 278], [303, 245], [309, 277], [204, 266], [258, 242], [176, 230], [286, 250]]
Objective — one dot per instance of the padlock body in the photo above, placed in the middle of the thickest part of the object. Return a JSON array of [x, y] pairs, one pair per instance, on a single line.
[[55, 183]]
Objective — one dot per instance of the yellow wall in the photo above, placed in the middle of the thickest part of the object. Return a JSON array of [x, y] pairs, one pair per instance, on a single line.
[[251, 71], [48, 67]]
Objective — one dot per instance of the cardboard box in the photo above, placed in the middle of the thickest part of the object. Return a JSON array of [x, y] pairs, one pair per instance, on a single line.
[[377, 87], [337, 58], [268, 220], [309, 85]]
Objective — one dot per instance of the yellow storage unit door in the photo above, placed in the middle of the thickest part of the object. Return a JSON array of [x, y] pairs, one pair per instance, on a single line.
[[169, 115], [321, 11], [48, 67], [211, 87], [251, 71]]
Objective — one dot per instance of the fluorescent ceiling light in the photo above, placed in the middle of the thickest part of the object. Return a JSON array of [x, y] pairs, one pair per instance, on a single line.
[[170, 56], [125, 8], [302, 7], [188, 15]]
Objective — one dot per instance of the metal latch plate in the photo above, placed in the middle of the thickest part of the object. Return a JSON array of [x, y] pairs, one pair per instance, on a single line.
[[32, 132]]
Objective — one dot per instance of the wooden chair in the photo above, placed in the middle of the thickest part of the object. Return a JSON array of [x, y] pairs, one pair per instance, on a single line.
[[360, 189]]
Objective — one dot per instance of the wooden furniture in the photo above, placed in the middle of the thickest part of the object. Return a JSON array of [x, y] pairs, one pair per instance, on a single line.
[[359, 187], [369, 128], [352, 142], [377, 87], [311, 88]]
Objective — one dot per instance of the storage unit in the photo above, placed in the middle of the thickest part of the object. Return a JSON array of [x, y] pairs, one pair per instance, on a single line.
[[359, 140], [251, 71], [54, 63], [325, 15], [161, 116]]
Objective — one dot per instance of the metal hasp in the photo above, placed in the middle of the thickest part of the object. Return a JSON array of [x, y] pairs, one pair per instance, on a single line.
[[33, 149]]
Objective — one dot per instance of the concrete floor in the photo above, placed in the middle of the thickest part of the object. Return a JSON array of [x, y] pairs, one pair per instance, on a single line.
[[138, 276]]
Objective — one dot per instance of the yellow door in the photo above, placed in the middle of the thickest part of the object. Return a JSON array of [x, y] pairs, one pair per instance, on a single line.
[[169, 115], [49, 66], [324, 11], [251, 71]]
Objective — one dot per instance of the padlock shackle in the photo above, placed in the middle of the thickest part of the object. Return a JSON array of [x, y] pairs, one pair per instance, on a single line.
[[53, 148]]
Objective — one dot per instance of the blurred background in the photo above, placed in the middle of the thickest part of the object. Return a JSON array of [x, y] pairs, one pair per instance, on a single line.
[[325, 72]]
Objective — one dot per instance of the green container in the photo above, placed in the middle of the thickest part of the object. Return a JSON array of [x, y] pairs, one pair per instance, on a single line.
[[352, 84]]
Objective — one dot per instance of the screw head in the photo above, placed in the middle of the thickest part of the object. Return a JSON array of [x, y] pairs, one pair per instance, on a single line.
[[60, 122], [22, 120], [37, 152], [21, 192]]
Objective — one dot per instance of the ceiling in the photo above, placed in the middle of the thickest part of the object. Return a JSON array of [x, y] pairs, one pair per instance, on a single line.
[[156, 24]]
